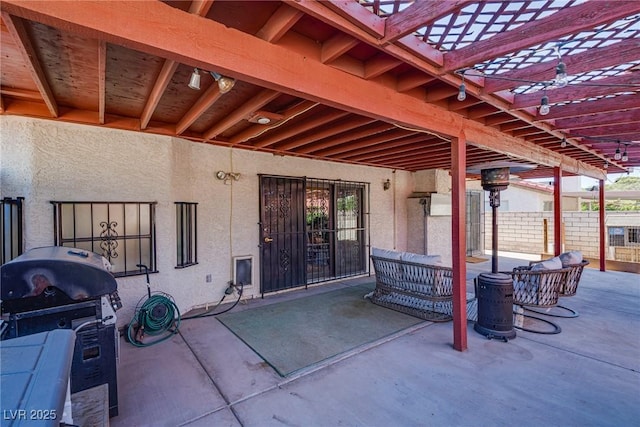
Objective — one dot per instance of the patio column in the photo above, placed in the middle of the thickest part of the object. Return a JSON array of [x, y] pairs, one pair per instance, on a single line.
[[459, 239], [601, 212], [557, 211]]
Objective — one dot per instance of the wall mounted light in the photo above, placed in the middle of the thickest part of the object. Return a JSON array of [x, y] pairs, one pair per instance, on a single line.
[[226, 176], [194, 81], [386, 184]]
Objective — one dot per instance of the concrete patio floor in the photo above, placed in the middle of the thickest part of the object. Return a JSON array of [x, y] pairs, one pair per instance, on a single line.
[[587, 375]]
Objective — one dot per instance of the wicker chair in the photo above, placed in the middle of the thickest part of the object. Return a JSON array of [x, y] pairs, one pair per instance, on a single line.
[[537, 289], [568, 288], [417, 289]]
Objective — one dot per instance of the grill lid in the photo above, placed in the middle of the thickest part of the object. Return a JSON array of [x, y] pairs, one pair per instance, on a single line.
[[77, 273]]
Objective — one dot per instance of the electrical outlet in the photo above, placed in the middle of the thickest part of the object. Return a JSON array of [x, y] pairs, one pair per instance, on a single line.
[[208, 278]]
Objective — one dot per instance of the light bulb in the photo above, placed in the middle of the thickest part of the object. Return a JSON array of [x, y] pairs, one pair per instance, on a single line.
[[225, 84], [462, 92], [544, 106], [561, 75], [625, 156], [563, 144], [617, 156]]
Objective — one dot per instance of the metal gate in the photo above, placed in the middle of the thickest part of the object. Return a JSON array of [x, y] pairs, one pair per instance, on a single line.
[[282, 233], [474, 223]]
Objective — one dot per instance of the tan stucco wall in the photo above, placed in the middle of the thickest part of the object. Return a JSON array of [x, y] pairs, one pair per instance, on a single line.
[[46, 160]]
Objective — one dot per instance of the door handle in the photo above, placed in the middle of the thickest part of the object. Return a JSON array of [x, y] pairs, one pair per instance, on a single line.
[[268, 240]]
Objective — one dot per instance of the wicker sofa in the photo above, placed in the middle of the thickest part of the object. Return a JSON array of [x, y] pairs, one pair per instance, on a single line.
[[418, 285]]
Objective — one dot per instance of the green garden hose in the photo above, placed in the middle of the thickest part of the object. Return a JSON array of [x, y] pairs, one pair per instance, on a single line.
[[157, 315]]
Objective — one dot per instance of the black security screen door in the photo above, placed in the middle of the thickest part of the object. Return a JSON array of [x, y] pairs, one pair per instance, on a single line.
[[282, 233], [311, 230]]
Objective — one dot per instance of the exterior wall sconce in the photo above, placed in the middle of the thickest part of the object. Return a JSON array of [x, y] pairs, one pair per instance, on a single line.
[[386, 185], [226, 176]]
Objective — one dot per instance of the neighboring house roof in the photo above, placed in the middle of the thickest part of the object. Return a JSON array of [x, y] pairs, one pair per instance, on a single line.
[[535, 186]]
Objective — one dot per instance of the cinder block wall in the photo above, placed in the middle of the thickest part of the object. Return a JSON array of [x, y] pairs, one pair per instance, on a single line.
[[523, 232]]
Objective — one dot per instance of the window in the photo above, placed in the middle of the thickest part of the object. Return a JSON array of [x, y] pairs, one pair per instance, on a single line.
[[186, 234], [616, 236], [11, 234], [122, 232], [547, 206]]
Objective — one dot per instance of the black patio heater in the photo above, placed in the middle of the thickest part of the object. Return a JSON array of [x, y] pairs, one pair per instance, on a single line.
[[494, 290]]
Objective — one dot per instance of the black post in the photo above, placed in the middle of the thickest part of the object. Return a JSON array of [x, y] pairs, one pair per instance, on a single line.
[[494, 201]]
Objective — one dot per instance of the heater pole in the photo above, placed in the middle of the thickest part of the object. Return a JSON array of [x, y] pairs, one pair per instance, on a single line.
[[494, 232]]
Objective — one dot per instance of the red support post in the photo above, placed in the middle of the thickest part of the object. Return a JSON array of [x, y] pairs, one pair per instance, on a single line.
[[458, 244], [557, 211], [601, 212]]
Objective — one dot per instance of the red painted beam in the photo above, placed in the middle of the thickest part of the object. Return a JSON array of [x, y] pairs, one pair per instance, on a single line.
[[557, 211], [459, 239], [601, 213]]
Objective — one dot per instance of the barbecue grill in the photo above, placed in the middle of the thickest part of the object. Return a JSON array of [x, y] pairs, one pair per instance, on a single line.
[[66, 288]]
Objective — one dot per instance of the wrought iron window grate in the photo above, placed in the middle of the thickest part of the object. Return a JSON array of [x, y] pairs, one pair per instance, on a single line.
[[122, 232], [186, 234], [11, 217]]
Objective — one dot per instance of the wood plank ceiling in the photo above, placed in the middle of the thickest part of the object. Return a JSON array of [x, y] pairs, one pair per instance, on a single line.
[[369, 82]]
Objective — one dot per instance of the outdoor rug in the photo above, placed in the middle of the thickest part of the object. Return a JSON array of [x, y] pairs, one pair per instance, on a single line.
[[292, 335]]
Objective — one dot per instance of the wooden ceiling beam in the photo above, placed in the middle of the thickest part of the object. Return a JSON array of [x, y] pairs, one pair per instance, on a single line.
[[200, 7], [418, 15], [413, 52], [257, 130], [603, 105], [18, 31], [278, 68], [412, 79], [596, 120], [601, 87], [334, 129], [336, 46], [384, 150], [366, 131], [316, 121], [379, 65], [589, 60], [368, 142], [570, 20], [102, 80], [164, 78], [353, 13], [251, 106], [279, 23], [169, 67], [21, 93], [626, 131], [204, 102]]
